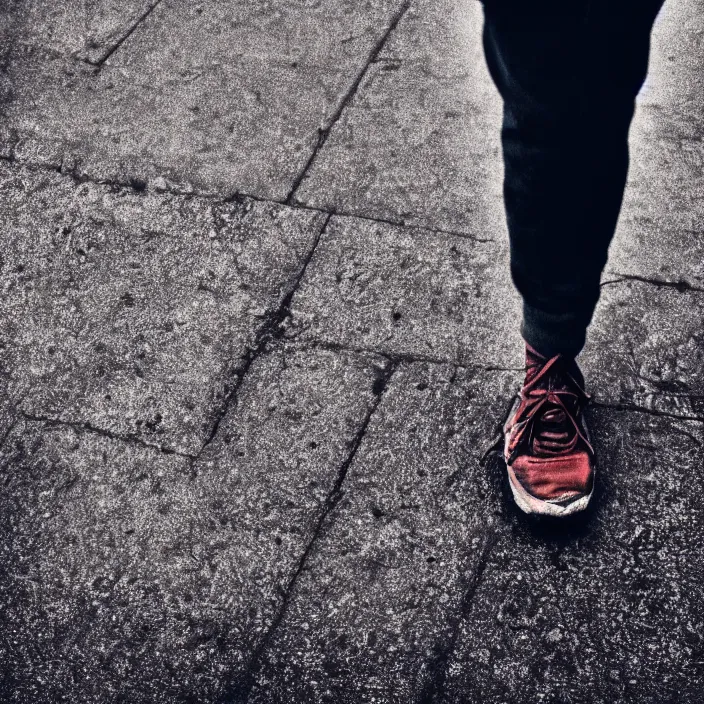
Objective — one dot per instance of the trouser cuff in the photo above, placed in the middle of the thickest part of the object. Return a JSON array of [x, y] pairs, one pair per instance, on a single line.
[[554, 333]]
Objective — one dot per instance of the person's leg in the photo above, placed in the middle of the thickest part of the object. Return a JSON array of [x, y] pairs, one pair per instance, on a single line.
[[568, 73]]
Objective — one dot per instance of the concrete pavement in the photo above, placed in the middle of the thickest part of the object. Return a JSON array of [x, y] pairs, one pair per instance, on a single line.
[[257, 334]]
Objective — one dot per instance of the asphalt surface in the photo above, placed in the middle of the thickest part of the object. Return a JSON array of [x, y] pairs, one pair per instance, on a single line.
[[257, 334]]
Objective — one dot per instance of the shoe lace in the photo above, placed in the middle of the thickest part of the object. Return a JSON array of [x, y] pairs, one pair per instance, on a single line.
[[548, 415]]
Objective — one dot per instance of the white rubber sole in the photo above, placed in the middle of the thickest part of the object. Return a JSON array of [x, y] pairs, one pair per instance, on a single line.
[[532, 505], [557, 508]]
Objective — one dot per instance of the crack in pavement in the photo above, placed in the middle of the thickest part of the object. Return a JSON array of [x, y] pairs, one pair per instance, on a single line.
[[395, 223], [324, 132], [133, 184], [84, 426], [435, 686], [681, 286], [235, 694], [112, 49], [635, 408], [270, 329], [398, 357], [139, 186]]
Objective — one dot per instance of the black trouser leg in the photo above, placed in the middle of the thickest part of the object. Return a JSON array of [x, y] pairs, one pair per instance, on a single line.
[[568, 72]]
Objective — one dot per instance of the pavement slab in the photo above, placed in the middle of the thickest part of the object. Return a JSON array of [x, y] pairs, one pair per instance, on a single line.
[[419, 143], [221, 96], [608, 610], [87, 30], [662, 214], [90, 535], [671, 100], [409, 292], [131, 575], [412, 293], [131, 312], [373, 610], [646, 348], [664, 205]]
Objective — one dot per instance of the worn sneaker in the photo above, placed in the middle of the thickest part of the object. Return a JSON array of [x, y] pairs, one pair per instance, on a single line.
[[548, 451]]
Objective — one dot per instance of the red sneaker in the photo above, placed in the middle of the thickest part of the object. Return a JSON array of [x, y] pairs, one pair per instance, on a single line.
[[547, 449]]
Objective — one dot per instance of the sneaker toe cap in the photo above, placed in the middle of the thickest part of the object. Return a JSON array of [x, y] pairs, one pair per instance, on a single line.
[[555, 478]]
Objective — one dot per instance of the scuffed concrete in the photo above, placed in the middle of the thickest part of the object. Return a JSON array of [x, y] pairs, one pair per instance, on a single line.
[[646, 348], [419, 144], [372, 616], [609, 611], [129, 575], [664, 204], [231, 102], [409, 292], [89, 31], [248, 450], [417, 294], [663, 212], [671, 97], [131, 312]]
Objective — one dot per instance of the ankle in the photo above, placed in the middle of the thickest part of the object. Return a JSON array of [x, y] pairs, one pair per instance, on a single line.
[[536, 359]]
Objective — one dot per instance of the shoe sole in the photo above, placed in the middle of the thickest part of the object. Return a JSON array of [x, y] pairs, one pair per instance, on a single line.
[[532, 505]]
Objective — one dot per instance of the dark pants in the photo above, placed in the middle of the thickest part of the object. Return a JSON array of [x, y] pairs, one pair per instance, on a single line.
[[568, 72]]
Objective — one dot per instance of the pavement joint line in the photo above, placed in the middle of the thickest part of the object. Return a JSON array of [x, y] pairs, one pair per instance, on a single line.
[[400, 358], [635, 408], [681, 286], [394, 223], [324, 132], [139, 187], [95, 430], [435, 685], [130, 31], [134, 184], [270, 329], [334, 212], [329, 505]]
